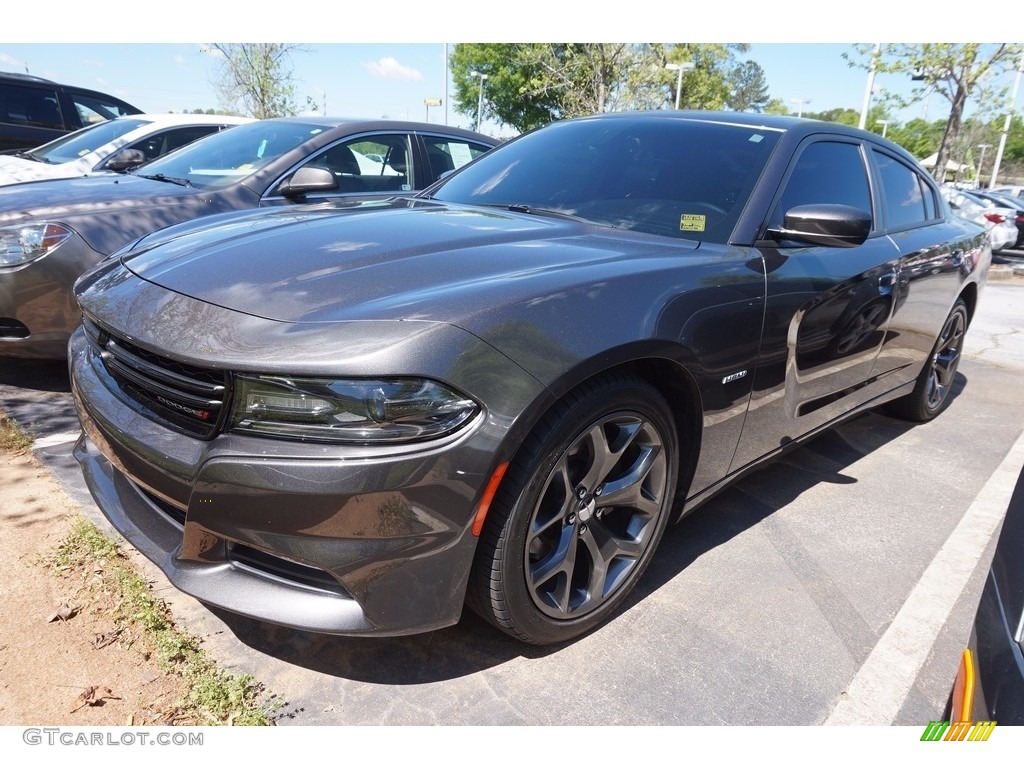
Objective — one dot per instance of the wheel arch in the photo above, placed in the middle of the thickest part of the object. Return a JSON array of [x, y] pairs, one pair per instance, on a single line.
[[662, 367], [969, 294]]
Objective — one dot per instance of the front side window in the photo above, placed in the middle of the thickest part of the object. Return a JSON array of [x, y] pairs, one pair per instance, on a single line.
[[827, 172], [167, 141], [30, 106], [368, 164]]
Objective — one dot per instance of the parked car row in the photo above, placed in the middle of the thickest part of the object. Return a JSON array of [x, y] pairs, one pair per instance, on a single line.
[[321, 399], [51, 231], [1000, 220], [113, 146]]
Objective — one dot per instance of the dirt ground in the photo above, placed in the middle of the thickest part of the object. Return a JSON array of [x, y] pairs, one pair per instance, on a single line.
[[51, 670]]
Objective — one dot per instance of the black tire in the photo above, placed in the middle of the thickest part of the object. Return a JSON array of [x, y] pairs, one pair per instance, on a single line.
[[579, 513], [934, 385]]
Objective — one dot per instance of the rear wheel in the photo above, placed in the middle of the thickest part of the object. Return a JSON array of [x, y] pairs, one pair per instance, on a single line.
[[931, 393], [579, 514]]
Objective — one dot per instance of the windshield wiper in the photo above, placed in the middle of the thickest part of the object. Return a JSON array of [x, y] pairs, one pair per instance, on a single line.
[[169, 179], [524, 208], [29, 156]]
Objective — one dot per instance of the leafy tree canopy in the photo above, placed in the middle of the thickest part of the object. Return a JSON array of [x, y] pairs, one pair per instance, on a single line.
[[530, 84]]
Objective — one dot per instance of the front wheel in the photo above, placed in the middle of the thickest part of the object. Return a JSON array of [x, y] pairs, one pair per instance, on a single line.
[[931, 393], [579, 513]]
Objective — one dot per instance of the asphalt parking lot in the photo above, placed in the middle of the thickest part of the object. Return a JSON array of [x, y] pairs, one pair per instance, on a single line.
[[768, 606]]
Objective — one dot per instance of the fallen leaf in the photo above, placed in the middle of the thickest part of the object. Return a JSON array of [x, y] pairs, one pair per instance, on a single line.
[[94, 696]]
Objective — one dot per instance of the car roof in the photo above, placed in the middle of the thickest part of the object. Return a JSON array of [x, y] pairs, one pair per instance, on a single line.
[[796, 128], [26, 78], [382, 124], [160, 119]]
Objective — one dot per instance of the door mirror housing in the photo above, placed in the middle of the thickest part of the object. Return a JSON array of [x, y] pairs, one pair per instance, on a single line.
[[125, 160], [833, 225], [308, 179]]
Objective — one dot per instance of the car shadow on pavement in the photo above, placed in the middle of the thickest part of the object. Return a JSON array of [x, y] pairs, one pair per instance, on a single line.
[[39, 375], [472, 645], [36, 394]]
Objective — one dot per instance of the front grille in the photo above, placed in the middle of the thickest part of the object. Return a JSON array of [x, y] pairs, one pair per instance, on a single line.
[[185, 397]]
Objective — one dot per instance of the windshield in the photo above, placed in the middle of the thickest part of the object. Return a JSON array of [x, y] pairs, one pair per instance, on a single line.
[[668, 176], [82, 142], [229, 156]]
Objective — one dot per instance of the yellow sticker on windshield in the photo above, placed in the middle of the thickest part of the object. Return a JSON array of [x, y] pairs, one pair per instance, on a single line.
[[691, 222]]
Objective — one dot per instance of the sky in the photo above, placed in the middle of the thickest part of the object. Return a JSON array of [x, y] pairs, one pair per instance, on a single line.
[[172, 67], [386, 79]]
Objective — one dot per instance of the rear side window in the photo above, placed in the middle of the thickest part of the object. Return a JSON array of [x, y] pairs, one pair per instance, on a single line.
[[95, 109], [903, 192], [30, 105], [827, 172], [447, 154]]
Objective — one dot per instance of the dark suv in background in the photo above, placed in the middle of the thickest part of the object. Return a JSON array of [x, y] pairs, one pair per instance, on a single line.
[[34, 111]]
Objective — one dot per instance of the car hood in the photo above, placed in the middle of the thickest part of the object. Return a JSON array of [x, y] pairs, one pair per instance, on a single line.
[[62, 198], [14, 170], [396, 260]]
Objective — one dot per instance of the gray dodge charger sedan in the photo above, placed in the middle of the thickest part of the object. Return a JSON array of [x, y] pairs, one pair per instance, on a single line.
[[355, 418]]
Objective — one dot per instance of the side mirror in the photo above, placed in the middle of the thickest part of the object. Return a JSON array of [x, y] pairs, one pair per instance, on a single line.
[[125, 159], [840, 226], [308, 179]]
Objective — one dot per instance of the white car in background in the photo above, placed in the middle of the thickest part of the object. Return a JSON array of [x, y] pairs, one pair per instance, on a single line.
[[112, 146], [999, 221]]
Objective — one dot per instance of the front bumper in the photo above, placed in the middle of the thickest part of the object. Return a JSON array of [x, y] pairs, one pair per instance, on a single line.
[[333, 539]]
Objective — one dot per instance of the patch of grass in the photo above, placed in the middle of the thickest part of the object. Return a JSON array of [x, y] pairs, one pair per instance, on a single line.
[[13, 439], [215, 697]]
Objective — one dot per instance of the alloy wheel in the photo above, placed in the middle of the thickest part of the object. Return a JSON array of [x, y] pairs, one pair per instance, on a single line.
[[596, 516]]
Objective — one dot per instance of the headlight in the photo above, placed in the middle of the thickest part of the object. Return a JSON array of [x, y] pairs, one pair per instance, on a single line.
[[24, 243], [348, 410]]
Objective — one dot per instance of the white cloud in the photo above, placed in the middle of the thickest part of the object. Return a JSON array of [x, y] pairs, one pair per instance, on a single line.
[[10, 61], [389, 68]]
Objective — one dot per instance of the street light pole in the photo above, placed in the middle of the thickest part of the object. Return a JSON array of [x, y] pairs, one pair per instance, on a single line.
[[680, 68], [801, 103], [884, 124], [981, 160], [1006, 125], [480, 98], [869, 88]]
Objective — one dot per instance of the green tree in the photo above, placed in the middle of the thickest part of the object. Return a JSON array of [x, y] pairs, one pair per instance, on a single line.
[[957, 72], [776, 106], [529, 84], [919, 137], [748, 88], [256, 78]]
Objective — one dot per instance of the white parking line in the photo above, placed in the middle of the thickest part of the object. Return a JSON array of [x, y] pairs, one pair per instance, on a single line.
[[58, 439], [880, 687]]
